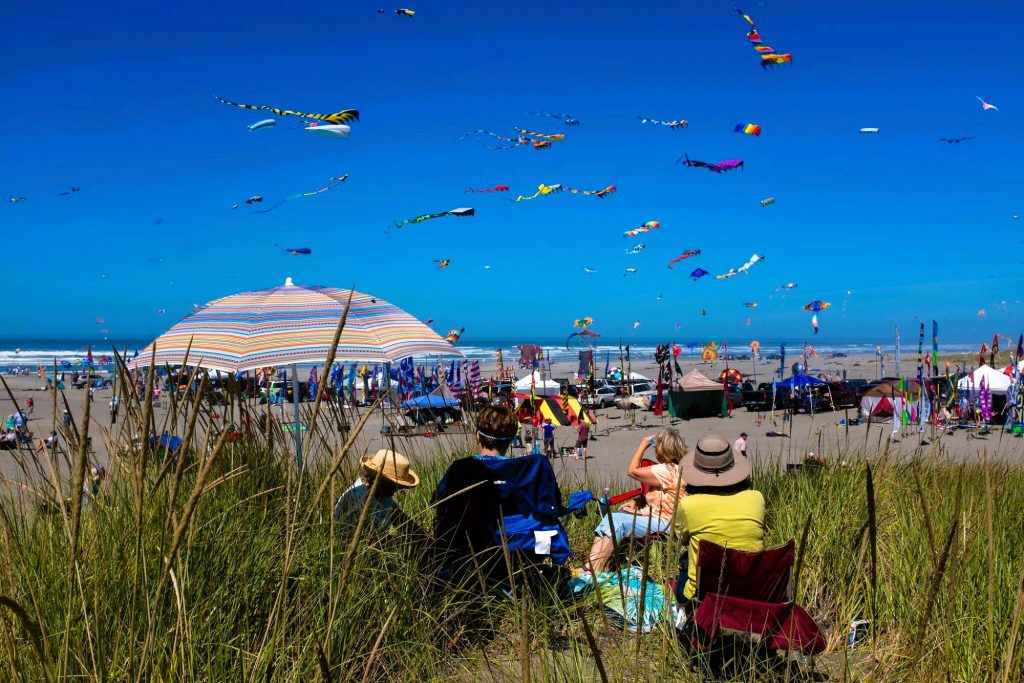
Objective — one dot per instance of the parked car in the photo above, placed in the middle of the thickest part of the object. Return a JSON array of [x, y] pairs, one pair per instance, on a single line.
[[603, 397], [760, 399], [829, 396]]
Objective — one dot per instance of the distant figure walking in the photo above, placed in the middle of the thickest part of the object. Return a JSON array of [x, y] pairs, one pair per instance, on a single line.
[[549, 439], [582, 436], [31, 405]]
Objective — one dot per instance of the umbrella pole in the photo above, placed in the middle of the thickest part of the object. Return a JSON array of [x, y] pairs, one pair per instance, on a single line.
[[297, 431]]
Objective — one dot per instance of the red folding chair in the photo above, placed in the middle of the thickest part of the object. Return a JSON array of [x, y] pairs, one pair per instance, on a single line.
[[634, 493], [747, 595]]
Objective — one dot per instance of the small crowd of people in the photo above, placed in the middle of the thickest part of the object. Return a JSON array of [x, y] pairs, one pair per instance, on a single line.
[[703, 492]]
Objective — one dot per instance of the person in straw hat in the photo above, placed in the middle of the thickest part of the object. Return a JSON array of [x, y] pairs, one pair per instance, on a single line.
[[720, 506], [384, 474]]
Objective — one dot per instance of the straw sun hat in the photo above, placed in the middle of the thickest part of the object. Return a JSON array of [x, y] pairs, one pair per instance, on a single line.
[[714, 462], [392, 466]]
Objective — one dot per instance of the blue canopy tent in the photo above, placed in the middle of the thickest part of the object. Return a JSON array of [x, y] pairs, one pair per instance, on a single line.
[[799, 381], [431, 401]]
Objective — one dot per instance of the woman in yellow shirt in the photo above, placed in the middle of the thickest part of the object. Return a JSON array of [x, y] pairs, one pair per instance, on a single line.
[[720, 506]]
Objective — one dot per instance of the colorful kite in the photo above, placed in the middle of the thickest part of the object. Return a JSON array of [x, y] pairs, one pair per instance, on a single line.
[[769, 57], [788, 285], [699, 273], [405, 13], [750, 304], [637, 249], [543, 189], [674, 125], [956, 141], [814, 323], [629, 271], [541, 136], [724, 276], [334, 132], [496, 188], [300, 251], [453, 336], [986, 106], [767, 201], [313, 193], [583, 322], [260, 125], [342, 116], [582, 334], [717, 167], [15, 200], [816, 306], [443, 263], [646, 227], [755, 347], [981, 312], [748, 129], [428, 216], [685, 255], [568, 120]]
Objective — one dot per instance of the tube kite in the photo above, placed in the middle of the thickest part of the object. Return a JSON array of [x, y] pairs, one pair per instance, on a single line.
[[637, 249], [629, 271], [814, 323], [685, 255], [754, 258], [751, 304], [428, 216], [405, 13], [343, 116], [313, 193], [568, 120], [15, 200], [73, 190], [769, 57], [767, 201], [717, 167], [260, 125], [646, 227], [541, 136], [589, 271], [496, 188], [868, 131], [674, 125], [301, 251], [956, 141], [748, 129]]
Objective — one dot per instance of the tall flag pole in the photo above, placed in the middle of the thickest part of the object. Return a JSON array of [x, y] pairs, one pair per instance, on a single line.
[[896, 353], [935, 349]]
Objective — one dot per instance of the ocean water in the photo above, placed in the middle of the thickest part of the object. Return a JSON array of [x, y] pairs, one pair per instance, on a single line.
[[71, 352]]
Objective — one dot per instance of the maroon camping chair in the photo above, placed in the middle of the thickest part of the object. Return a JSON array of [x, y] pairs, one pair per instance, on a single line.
[[746, 594]]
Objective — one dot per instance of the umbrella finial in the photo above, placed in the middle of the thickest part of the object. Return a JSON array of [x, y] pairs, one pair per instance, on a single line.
[[288, 282]]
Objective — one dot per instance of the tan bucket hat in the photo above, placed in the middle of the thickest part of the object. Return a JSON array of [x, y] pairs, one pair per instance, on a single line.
[[714, 462], [392, 466]]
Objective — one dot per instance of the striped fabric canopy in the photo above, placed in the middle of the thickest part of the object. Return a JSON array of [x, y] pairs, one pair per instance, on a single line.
[[292, 324]]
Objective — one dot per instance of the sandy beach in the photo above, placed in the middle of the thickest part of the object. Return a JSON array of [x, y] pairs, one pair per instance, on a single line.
[[615, 435]]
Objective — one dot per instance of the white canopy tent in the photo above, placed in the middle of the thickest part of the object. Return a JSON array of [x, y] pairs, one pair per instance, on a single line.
[[542, 387], [996, 381]]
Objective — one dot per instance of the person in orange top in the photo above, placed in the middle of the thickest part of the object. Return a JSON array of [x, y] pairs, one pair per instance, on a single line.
[[656, 516]]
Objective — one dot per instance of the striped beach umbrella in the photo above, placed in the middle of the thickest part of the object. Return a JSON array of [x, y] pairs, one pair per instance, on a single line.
[[292, 324]]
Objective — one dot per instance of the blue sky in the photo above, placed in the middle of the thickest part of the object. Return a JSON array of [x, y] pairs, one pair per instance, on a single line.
[[116, 98]]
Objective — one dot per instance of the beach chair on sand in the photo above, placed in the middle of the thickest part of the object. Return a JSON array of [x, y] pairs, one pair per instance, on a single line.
[[628, 547], [743, 609], [485, 504]]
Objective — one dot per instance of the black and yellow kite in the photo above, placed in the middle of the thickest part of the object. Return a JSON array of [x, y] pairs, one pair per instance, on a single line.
[[343, 116]]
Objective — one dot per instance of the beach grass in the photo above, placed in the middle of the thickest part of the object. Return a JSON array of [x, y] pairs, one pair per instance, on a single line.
[[227, 564]]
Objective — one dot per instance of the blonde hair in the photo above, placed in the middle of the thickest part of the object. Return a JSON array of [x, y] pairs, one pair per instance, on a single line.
[[669, 446]]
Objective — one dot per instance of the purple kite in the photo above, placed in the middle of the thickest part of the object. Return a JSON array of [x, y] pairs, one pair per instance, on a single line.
[[698, 273], [718, 167]]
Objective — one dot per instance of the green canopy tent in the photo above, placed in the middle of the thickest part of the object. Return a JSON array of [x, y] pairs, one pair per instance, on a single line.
[[696, 395]]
